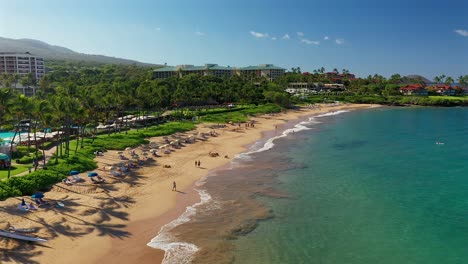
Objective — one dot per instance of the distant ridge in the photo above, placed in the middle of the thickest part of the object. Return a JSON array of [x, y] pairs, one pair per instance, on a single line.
[[53, 52], [409, 78]]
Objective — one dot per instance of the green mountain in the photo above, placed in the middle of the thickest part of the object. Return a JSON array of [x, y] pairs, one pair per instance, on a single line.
[[52, 52], [411, 78]]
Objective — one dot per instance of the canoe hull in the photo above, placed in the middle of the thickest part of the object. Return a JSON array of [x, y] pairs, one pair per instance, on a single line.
[[21, 237]]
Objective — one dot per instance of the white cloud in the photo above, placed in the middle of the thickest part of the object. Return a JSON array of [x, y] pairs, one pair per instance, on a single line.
[[339, 41], [198, 33], [158, 29], [462, 32], [259, 35], [273, 38], [300, 34], [326, 38], [309, 42], [286, 36]]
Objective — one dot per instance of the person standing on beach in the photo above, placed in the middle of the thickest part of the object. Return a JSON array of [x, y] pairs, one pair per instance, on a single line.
[[174, 186], [196, 164], [199, 163]]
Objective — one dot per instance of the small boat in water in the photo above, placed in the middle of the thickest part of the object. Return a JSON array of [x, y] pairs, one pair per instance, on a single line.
[[439, 143], [21, 237]]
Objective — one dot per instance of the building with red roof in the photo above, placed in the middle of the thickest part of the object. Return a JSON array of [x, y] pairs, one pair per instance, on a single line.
[[413, 89], [444, 89]]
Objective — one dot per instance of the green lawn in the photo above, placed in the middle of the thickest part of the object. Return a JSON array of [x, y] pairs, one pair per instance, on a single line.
[[15, 169], [446, 97]]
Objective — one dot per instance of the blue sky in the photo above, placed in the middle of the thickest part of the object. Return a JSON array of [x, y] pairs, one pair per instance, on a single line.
[[365, 36]]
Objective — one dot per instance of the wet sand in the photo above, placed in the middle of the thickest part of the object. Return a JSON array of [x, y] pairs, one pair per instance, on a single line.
[[113, 222]]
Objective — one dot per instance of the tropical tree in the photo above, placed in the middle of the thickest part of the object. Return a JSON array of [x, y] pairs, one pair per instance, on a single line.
[[449, 80], [6, 100], [463, 80], [395, 79], [15, 78]]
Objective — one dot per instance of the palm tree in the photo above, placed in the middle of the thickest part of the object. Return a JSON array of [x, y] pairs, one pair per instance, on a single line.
[[19, 111], [6, 80], [6, 96], [463, 80], [449, 80], [15, 78], [40, 108], [440, 79]]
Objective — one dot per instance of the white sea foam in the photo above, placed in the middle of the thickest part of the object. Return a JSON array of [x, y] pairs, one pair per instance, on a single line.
[[333, 113], [261, 146], [176, 251], [183, 252]]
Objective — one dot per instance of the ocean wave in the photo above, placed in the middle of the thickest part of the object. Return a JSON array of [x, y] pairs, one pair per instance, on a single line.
[[261, 146], [333, 113], [176, 251]]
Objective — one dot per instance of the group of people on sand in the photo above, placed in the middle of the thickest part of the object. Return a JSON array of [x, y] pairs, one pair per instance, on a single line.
[[197, 163]]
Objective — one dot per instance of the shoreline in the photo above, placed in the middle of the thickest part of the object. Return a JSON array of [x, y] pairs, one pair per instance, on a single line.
[[121, 219]]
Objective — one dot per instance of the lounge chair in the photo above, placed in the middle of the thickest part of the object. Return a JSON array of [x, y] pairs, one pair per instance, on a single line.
[[23, 208], [100, 179], [68, 181], [116, 173], [77, 178], [94, 181]]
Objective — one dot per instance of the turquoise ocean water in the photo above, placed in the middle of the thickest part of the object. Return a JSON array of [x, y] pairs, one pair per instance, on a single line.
[[370, 186], [360, 187]]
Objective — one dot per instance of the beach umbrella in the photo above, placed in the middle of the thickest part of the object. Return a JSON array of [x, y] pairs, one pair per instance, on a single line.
[[37, 195], [92, 174], [74, 172]]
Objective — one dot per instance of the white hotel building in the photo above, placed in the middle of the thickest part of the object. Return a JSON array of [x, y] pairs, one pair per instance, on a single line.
[[22, 64]]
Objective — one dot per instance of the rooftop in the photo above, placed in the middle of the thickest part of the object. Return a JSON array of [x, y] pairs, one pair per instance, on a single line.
[[187, 67], [17, 54], [262, 67]]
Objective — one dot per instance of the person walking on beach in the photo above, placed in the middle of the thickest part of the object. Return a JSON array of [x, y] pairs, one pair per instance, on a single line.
[[174, 186], [196, 164], [199, 163]]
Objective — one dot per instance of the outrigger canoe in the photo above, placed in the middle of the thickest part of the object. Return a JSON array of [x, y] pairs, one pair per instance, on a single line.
[[22, 230], [21, 237]]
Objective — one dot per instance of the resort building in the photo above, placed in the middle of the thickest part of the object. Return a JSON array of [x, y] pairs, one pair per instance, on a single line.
[[268, 71], [413, 89], [334, 86], [304, 88], [301, 88], [182, 70], [338, 78], [444, 89], [22, 64]]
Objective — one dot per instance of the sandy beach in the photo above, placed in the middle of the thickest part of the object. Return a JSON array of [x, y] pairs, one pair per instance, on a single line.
[[112, 222]]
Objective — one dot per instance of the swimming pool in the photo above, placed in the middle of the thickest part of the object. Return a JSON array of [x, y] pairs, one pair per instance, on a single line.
[[4, 135]]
